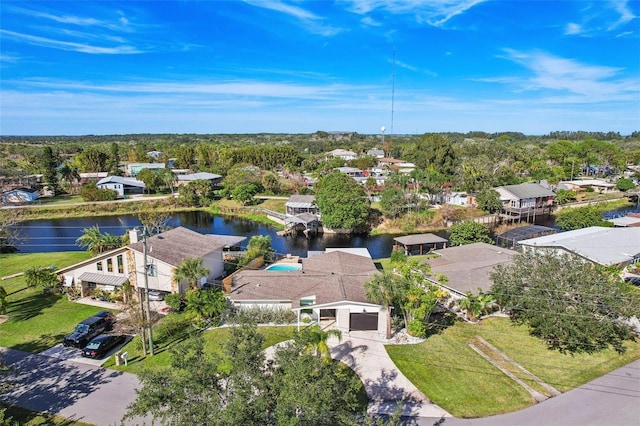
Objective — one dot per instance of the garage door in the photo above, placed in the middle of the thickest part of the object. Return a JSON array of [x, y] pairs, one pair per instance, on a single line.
[[364, 321]]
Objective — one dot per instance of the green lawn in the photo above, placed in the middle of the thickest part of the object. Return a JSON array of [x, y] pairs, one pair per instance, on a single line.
[[456, 378], [214, 343], [37, 321]]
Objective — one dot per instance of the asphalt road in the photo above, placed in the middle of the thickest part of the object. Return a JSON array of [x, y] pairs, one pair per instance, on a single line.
[[100, 396], [70, 389]]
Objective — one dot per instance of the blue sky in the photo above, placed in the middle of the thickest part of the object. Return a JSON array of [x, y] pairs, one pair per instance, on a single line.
[[79, 67]]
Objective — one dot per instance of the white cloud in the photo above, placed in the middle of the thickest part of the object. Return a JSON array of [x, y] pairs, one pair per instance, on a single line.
[[70, 46], [573, 29], [434, 13], [310, 21], [570, 80]]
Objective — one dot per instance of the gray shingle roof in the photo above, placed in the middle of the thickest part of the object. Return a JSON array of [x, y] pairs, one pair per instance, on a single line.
[[177, 244], [330, 277], [299, 201], [468, 266], [410, 240], [528, 190]]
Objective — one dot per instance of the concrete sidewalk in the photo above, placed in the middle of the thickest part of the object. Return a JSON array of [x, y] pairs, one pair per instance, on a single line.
[[386, 386]]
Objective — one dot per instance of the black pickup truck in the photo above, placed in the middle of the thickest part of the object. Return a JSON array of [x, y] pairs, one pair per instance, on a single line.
[[88, 329]]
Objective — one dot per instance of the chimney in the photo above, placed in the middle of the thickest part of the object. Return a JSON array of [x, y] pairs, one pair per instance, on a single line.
[[134, 236]]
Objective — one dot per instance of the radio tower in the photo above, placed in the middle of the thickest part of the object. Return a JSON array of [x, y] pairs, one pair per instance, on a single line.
[[393, 88]]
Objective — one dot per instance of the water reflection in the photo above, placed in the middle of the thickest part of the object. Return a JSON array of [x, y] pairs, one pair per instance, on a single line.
[[60, 234]]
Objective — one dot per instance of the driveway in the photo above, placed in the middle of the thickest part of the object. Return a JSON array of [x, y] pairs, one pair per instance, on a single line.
[[70, 389], [364, 352]]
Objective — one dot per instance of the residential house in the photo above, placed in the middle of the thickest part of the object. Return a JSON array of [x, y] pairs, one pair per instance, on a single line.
[[583, 185], [378, 153], [110, 271], [604, 246], [122, 185], [525, 201], [343, 153], [20, 196], [185, 179], [329, 286], [468, 267], [297, 204], [132, 169], [107, 272], [167, 250]]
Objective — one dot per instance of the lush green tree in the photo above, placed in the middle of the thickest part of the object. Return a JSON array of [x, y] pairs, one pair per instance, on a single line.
[[174, 301], [489, 200], [190, 270], [205, 307], [69, 173], [244, 193], [91, 192], [185, 156], [392, 201], [580, 217], [152, 179], [468, 232], [4, 303], [342, 202], [241, 174], [259, 245], [271, 183], [113, 163], [573, 305], [50, 163], [295, 388], [564, 196], [625, 184], [97, 242], [434, 152], [197, 193], [91, 160]]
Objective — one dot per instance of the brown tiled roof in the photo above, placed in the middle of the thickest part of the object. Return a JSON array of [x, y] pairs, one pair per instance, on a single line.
[[180, 243], [330, 277]]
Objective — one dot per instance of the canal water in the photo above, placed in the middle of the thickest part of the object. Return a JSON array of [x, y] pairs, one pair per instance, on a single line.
[[60, 234]]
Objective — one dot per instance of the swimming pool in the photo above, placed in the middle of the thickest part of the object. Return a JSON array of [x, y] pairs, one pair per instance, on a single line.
[[284, 267]]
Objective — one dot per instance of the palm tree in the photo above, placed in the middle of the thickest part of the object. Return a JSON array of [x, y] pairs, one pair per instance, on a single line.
[[96, 242], [190, 270], [204, 305], [315, 339], [383, 289]]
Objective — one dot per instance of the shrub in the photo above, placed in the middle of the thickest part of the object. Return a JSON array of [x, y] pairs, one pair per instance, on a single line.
[[174, 301], [261, 315], [417, 328], [90, 192]]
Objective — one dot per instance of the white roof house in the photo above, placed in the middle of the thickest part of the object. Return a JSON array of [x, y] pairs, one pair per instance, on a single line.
[[605, 246], [344, 154], [122, 185]]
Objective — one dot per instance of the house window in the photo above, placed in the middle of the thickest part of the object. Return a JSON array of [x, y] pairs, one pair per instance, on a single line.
[[152, 271], [120, 264], [514, 203], [99, 266], [110, 265]]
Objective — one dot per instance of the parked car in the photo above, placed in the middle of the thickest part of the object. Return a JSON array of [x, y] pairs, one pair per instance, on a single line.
[[101, 345], [156, 295], [88, 329]]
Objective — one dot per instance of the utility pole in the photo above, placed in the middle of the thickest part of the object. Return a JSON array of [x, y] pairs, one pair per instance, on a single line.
[[146, 288]]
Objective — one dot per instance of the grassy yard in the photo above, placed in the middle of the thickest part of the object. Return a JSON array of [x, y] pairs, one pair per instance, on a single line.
[[167, 335], [455, 377], [36, 321]]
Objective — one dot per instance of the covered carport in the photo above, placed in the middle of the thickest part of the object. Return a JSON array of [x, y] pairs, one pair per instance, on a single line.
[[420, 243]]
